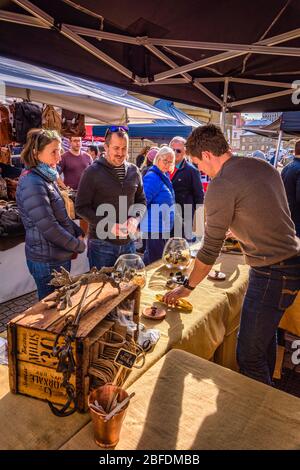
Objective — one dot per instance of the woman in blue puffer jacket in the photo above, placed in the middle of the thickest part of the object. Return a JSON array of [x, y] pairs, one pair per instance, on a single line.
[[52, 237], [159, 218]]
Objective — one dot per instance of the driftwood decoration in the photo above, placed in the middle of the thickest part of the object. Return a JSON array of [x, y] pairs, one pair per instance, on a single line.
[[68, 285]]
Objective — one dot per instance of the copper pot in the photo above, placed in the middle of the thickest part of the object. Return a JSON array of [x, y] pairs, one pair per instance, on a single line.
[[106, 433]]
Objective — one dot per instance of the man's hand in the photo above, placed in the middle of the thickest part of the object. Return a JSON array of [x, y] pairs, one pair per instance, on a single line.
[[132, 225], [199, 272], [171, 297], [120, 230]]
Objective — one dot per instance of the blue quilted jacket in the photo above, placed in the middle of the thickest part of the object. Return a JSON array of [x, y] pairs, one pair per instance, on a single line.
[[160, 197], [51, 236]]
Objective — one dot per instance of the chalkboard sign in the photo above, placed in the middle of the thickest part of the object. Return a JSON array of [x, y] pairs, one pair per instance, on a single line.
[[125, 358]]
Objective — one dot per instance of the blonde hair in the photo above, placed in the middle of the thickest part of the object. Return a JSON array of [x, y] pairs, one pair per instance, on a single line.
[[37, 140], [162, 152]]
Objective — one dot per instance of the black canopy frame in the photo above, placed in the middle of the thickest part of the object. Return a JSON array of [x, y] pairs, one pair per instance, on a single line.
[[154, 47]]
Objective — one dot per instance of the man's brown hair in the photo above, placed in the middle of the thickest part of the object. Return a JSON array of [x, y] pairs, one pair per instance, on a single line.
[[297, 147], [206, 138], [120, 133]]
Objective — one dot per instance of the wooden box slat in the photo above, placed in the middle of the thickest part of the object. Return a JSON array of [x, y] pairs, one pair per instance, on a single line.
[[31, 336]]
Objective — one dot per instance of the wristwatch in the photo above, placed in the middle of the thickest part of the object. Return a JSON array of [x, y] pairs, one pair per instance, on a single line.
[[187, 285]]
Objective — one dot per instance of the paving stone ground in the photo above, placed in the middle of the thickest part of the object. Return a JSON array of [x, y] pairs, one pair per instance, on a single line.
[[10, 309]]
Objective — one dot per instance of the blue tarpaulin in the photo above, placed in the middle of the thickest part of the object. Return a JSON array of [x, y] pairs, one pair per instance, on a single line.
[[162, 128], [288, 122]]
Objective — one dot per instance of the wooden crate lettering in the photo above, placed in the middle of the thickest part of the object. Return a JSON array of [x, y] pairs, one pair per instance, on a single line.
[[36, 347], [41, 382]]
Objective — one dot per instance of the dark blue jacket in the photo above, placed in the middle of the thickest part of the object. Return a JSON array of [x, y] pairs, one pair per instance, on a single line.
[[51, 236], [291, 180], [159, 191], [188, 186]]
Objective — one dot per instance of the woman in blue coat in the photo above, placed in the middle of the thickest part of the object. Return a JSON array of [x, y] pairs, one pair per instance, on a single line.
[[52, 237], [159, 218]]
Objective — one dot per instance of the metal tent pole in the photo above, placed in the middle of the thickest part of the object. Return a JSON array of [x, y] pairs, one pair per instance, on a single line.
[[224, 106], [278, 148]]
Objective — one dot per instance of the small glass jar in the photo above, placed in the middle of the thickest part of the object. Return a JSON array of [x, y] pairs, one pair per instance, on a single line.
[[131, 269], [177, 254]]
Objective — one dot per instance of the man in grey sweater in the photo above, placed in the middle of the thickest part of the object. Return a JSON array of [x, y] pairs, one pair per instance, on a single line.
[[247, 196]]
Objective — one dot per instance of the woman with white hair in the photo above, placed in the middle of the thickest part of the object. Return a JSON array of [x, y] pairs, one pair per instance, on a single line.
[[159, 218]]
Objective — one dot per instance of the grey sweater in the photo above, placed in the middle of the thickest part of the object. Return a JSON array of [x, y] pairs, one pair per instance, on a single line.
[[248, 196]]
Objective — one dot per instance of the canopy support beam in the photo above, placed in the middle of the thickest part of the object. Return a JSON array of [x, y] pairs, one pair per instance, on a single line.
[[249, 81], [224, 56], [187, 77], [278, 148], [65, 31], [268, 96], [199, 45], [73, 33]]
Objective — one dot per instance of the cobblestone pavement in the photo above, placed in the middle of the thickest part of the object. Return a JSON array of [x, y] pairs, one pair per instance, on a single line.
[[10, 309]]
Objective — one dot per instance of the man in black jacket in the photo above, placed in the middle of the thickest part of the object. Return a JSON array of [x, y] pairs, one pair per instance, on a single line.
[[291, 180], [187, 185], [111, 199]]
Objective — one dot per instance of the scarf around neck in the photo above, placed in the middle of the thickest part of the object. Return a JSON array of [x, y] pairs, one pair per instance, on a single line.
[[47, 171]]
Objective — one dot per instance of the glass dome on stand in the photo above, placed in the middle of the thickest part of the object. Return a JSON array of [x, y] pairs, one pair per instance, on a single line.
[[177, 254]]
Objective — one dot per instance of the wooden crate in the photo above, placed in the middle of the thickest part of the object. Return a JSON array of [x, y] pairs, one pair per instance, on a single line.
[[31, 336]]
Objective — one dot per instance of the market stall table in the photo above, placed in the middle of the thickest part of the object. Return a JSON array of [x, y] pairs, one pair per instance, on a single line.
[[184, 402], [16, 279], [210, 330], [212, 324], [28, 424]]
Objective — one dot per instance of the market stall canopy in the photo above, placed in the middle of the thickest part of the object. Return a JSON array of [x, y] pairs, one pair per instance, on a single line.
[[288, 123], [103, 103], [232, 55], [179, 123]]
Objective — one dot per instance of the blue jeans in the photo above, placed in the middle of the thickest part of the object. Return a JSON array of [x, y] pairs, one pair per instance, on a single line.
[[104, 253], [42, 274], [272, 289], [154, 249]]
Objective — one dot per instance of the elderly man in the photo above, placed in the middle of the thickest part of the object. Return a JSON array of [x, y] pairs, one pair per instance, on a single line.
[[259, 154], [111, 199], [246, 195], [187, 185]]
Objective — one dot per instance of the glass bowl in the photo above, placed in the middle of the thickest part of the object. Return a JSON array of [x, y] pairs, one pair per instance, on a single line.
[[177, 254], [131, 269]]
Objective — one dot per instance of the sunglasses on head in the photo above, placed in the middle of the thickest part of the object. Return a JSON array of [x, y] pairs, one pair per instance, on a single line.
[[112, 129]]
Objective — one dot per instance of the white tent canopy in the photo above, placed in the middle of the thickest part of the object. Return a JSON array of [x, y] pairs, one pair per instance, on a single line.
[[104, 104]]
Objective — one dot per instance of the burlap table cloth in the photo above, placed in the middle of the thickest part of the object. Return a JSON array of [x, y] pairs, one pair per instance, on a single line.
[[185, 402], [27, 423], [210, 330]]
